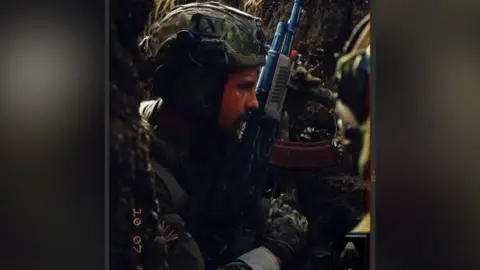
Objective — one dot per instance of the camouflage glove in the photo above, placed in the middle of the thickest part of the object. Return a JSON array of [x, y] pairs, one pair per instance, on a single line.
[[285, 229], [302, 79], [302, 82]]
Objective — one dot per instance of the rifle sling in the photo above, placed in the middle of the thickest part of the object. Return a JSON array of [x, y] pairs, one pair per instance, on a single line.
[[177, 195]]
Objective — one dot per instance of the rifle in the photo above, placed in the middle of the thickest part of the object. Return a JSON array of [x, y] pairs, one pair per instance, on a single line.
[[240, 191]]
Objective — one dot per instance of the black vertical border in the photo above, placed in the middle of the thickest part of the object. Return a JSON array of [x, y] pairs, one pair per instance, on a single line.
[[107, 134], [372, 134]]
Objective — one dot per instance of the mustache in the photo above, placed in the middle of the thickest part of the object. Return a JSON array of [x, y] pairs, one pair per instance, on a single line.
[[243, 117]]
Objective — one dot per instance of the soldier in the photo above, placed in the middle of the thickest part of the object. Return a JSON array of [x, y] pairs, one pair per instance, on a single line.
[[206, 59], [353, 104]]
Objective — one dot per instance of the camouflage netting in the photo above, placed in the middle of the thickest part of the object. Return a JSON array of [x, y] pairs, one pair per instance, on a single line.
[[130, 179]]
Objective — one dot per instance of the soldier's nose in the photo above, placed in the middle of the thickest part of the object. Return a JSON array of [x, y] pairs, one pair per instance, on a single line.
[[252, 103]]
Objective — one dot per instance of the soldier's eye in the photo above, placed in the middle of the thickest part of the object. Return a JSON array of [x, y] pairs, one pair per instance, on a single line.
[[246, 86]]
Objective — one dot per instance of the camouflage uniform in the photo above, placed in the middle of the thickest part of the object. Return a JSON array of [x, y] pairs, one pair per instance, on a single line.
[[191, 50], [353, 105]]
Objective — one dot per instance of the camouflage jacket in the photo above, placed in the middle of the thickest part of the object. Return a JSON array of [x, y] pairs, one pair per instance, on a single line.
[[178, 175]]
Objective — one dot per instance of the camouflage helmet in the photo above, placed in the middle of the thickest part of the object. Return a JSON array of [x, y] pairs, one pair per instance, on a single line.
[[215, 27], [193, 49]]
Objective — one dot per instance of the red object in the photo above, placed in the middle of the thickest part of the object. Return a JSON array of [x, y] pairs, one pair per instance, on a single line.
[[293, 55], [297, 155]]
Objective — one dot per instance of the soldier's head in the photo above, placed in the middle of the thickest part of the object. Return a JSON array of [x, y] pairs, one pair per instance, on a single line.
[[353, 105], [206, 59]]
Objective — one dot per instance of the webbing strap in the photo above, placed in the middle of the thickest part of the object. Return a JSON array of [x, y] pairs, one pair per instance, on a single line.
[[178, 196]]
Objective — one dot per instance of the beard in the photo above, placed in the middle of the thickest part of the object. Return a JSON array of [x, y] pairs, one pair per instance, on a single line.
[[239, 124]]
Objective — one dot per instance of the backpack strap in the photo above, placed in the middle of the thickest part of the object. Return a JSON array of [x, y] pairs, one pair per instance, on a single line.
[[178, 196]]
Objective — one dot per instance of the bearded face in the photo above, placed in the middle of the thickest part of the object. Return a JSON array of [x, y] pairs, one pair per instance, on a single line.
[[238, 98]]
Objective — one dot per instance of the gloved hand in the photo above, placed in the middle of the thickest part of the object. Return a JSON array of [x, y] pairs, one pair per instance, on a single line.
[[285, 229], [302, 79], [303, 83]]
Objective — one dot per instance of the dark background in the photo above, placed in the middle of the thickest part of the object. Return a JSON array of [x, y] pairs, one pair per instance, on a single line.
[[53, 110]]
